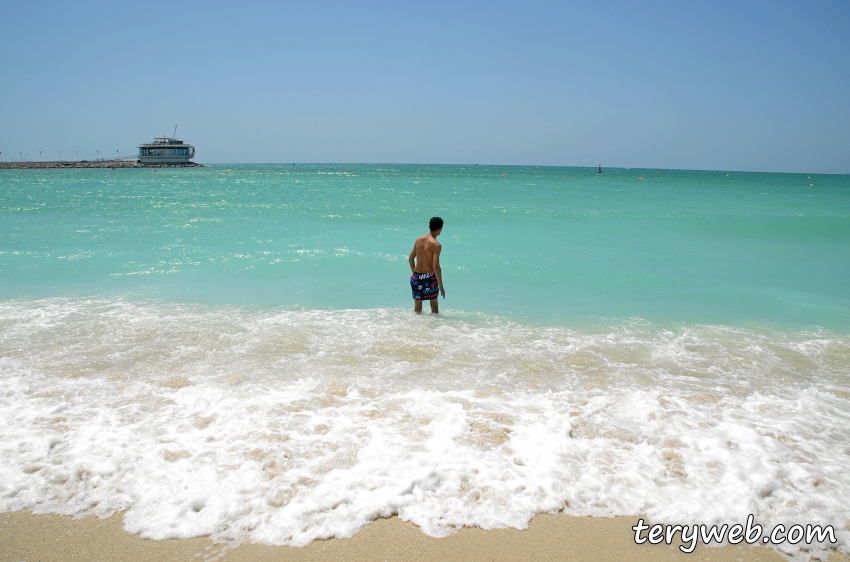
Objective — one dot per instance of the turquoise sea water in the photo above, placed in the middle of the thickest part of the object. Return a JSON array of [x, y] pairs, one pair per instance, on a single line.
[[235, 354], [559, 246]]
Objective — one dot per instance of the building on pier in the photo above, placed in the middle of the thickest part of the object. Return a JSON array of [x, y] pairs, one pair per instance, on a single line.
[[166, 150]]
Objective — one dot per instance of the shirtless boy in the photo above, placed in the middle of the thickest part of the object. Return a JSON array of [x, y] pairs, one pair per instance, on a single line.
[[427, 278]]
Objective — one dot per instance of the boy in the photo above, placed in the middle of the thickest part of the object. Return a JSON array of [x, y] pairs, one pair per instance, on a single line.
[[424, 259]]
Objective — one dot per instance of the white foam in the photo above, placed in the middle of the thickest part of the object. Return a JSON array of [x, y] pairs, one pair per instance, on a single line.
[[284, 427]]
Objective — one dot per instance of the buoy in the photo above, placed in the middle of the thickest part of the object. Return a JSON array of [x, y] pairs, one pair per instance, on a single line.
[[727, 175], [657, 172], [640, 178], [811, 185], [504, 175]]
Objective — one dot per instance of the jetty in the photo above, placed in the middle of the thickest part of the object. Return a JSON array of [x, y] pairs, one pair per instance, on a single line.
[[111, 163], [163, 152]]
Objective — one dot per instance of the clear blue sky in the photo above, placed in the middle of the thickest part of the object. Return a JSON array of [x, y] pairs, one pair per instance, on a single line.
[[760, 85]]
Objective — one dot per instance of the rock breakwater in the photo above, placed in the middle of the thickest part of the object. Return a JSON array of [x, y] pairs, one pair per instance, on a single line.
[[92, 164]]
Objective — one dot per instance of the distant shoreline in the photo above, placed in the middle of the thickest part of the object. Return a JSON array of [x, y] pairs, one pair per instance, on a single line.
[[91, 164]]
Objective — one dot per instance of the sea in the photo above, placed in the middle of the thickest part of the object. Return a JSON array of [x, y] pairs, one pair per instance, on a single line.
[[231, 350]]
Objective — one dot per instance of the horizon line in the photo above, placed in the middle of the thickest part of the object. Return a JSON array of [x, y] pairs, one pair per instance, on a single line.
[[523, 165], [317, 163]]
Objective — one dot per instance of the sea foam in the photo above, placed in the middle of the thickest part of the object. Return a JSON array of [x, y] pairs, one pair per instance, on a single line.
[[288, 426]]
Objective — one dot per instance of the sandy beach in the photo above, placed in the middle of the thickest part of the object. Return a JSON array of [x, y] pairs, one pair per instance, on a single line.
[[46, 538]]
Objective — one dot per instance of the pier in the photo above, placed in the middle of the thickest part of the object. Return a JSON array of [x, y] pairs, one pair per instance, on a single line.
[[113, 163]]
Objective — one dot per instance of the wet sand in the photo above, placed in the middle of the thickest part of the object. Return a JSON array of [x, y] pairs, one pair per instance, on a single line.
[[46, 538]]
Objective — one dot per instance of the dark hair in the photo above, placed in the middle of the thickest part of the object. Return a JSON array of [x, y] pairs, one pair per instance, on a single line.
[[435, 224]]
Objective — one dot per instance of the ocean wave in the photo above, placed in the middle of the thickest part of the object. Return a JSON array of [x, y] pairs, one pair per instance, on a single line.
[[288, 426]]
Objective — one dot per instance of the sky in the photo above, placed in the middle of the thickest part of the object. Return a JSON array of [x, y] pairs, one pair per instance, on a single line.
[[720, 85]]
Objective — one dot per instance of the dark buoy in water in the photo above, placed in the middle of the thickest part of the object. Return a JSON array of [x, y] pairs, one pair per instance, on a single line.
[[599, 171]]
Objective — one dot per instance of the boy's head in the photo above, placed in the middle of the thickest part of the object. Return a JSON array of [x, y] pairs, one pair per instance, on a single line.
[[435, 224]]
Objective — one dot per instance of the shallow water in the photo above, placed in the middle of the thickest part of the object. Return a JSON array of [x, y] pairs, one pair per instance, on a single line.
[[558, 246], [234, 354]]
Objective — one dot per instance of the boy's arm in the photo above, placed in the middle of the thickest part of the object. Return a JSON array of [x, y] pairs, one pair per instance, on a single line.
[[437, 269], [411, 259]]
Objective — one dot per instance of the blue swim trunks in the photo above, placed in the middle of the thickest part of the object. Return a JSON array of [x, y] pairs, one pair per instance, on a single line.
[[425, 287]]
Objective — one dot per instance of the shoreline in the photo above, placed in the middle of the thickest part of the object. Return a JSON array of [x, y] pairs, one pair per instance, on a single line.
[[65, 165], [25, 536]]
